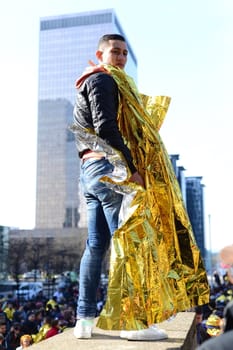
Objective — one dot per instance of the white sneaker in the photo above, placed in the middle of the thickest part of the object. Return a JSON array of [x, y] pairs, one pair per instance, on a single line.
[[151, 333], [83, 328]]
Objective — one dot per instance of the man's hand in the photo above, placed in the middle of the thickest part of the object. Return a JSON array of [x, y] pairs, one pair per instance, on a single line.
[[136, 177]]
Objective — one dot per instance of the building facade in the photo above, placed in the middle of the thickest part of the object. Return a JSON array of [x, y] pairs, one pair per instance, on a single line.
[[67, 43], [4, 243], [180, 174], [193, 196], [195, 208]]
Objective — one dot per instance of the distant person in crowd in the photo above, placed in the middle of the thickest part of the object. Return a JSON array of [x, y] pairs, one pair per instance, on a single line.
[[9, 310], [51, 303], [38, 318], [226, 255], [13, 336], [62, 282], [217, 279], [200, 329], [25, 342], [222, 331], [54, 330], [2, 339], [69, 318], [222, 342], [59, 295], [3, 332], [3, 316], [20, 314], [47, 323], [228, 317], [29, 326]]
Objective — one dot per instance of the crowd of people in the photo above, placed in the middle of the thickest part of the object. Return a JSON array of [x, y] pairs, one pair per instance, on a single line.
[[216, 318], [27, 322], [23, 323]]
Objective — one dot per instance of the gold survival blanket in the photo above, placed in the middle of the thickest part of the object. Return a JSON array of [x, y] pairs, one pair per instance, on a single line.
[[155, 268]]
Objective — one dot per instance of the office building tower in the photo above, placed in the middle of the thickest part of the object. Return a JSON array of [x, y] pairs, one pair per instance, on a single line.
[[195, 208], [180, 175], [193, 197], [67, 43]]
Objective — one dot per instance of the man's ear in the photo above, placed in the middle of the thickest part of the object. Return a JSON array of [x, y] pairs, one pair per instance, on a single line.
[[99, 55]]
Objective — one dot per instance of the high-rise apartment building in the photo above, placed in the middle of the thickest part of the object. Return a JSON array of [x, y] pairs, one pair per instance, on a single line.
[[67, 43]]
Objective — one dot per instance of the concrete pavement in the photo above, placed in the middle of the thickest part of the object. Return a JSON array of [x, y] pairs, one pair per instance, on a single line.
[[181, 331]]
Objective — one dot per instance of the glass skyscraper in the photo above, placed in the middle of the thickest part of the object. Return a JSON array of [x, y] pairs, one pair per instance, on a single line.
[[67, 43], [193, 195], [195, 207]]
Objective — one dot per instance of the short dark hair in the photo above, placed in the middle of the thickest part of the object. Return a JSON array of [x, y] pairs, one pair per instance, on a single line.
[[17, 326], [105, 38]]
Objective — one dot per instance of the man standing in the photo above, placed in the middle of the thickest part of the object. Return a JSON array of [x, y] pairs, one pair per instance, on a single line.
[[108, 130]]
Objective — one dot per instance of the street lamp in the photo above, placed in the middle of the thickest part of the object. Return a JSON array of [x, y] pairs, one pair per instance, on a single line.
[[210, 250]]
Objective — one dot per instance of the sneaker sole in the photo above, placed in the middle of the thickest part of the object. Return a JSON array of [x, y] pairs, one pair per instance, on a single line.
[[82, 335], [141, 337]]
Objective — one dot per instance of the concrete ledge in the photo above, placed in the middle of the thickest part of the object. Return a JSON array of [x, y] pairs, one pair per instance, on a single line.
[[181, 331]]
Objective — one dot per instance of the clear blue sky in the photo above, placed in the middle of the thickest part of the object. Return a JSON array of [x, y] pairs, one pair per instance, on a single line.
[[184, 50]]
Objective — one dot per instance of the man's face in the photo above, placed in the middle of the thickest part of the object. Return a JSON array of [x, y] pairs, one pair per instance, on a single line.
[[114, 53], [3, 329], [16, 330], [32, 317], [199, 318]]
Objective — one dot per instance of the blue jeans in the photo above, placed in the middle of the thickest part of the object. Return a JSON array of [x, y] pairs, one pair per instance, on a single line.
[[103, 206]]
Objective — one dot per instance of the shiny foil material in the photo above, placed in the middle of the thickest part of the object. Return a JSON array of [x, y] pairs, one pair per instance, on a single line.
[[155, 268]]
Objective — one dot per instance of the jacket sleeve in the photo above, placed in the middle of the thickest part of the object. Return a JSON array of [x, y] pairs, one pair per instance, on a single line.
[[103, 98]]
